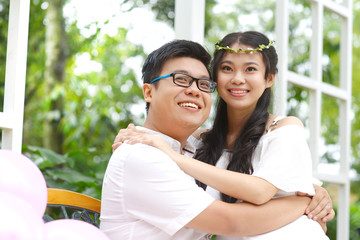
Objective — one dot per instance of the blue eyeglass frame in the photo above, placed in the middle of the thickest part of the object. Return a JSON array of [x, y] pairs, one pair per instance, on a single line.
[[165, 76], [193, 79]]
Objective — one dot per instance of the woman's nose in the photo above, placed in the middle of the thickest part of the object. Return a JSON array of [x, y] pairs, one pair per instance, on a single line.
[[238, 78]]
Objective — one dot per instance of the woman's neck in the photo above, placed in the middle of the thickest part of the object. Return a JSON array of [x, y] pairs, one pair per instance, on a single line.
[[236, 122]]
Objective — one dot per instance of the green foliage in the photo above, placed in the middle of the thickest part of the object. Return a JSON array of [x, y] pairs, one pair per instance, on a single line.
[[163, 9], [99, 103], [96, 103], [241, 16], [354, 223], [76, 171], [33, 129], [355, 139], [4, 19]]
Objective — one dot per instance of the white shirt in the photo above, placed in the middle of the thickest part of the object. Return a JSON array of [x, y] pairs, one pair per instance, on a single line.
[[145, 195], [282, 157]]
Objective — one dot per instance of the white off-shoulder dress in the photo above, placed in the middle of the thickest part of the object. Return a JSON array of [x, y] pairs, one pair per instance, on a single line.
[[283, 158]]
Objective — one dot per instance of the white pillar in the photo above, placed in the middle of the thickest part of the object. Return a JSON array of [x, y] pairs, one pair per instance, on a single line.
[[190, 20], [11, 120], [282, 46], [343, 214], [315, 98]]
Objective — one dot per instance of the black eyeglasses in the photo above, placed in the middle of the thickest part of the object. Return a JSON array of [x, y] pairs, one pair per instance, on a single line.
[[185, 80]]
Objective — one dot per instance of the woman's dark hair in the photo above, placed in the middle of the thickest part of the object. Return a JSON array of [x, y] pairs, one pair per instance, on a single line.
[[178, 48], [214, 141]]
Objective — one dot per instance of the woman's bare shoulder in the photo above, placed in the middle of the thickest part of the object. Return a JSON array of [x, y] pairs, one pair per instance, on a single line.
[[275, 122], [290, 120]]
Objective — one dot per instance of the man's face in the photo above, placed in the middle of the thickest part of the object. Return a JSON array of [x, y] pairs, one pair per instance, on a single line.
[[174, 108]]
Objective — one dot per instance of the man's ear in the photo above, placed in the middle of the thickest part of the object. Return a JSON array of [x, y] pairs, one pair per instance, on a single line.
[[147, 92], [270, 80]]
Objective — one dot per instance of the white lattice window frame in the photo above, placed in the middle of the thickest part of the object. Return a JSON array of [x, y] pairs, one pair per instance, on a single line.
[[317, 87]]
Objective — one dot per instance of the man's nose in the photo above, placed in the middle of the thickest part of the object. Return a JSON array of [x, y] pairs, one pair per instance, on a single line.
[[193, 89]]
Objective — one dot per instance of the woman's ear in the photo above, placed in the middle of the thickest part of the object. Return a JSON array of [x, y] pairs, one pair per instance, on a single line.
[[147, 92], [270, 80]]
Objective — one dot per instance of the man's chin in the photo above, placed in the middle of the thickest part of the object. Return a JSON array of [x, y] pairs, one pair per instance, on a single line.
[[192, 125]]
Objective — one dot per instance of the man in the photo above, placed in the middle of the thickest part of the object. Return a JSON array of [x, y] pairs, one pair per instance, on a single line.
[[145, 195]]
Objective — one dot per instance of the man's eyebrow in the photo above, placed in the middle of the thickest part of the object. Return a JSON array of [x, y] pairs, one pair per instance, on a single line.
[[180, 71]]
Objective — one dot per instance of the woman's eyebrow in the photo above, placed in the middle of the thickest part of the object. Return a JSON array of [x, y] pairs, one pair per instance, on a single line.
[[246, 64], [252, 63], [226, 61]]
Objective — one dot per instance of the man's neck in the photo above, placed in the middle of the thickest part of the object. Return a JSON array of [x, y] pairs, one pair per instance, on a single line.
[[179, 134]]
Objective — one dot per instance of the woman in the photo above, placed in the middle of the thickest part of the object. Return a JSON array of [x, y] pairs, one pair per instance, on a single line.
[[246, 139]]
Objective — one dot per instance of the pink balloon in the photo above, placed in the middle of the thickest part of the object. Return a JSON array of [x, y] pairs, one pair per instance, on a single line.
[[71, 229], [19, 220], [20, 176]]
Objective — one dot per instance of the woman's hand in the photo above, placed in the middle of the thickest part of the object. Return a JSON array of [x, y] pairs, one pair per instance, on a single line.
[[323, 225], [320, 207], [121, 136], [131, 135]]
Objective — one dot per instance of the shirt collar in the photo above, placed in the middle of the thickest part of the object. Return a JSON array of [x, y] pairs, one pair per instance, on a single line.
[[188, 148]]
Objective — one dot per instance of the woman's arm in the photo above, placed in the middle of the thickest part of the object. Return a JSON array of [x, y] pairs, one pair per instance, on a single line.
[[238, 185], [241, 186]]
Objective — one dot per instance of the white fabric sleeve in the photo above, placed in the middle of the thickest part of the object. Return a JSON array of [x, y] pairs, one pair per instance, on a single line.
[[317, 182], [157, 191], [285, 160]]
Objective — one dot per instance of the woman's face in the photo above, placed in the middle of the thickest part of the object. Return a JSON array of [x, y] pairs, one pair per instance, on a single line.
[[241, 78]]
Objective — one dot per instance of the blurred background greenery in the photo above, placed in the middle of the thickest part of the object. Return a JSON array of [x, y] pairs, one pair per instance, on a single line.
[[72, 115]]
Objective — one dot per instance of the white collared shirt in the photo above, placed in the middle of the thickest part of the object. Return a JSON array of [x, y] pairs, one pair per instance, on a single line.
[[145, 195]]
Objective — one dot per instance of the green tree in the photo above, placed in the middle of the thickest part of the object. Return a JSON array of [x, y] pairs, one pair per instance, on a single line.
[[355, 143], [55, 55], [81, 118], [4, 20], [88, 108]]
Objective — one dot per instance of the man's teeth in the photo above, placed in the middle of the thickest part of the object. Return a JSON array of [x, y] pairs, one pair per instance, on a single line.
[[189, 105], [239, 91]]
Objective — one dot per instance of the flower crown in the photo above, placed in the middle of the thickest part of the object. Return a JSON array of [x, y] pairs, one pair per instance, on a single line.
[[248, 50]]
